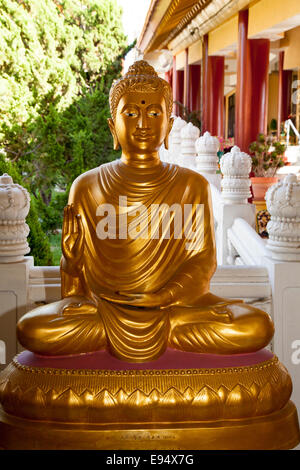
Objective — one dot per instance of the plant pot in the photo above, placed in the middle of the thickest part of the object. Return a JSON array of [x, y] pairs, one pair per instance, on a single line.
[[260, 185]]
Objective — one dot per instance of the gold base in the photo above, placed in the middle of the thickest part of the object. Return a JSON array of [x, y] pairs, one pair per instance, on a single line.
[[244, 407], [143, 396], [279, 430]]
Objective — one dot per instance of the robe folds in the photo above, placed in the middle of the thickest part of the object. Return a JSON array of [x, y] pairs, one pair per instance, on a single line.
[[148, 246], [170, 251]]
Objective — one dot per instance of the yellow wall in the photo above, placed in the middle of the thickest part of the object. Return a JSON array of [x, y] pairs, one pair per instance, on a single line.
[[180, 60], [223, 36], [292, 52], [267, 13], [195, 52], [273, 97]]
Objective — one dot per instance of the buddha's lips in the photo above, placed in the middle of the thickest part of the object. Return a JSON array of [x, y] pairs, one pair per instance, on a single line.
[[142, 135]]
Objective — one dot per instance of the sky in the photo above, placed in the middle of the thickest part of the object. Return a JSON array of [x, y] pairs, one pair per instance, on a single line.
[[134, 15]]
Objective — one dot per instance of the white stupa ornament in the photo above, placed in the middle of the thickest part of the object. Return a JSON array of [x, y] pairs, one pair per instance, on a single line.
[[207, 147], [283, 203], [235, 167], [14, 207], [175, 140], [189, 134]]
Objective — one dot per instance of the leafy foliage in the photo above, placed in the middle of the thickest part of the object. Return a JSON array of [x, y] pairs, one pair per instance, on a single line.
[[267, 156], [58, 59], [38, 242]]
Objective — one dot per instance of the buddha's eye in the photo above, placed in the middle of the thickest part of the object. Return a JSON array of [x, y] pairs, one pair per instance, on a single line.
[[153, 113], [131, 113]]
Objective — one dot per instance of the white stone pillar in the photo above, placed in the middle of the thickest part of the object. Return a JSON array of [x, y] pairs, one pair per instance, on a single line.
[[163, 154], [14, 205], [283, 203], [207, 147], [235, 167], [14, 266], [189, 134], [175, 141]]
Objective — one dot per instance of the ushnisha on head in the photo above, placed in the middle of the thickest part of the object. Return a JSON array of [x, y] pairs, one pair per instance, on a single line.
[[140, 105]]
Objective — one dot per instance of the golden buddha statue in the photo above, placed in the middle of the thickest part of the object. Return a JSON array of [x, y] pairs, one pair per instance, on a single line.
[[138, 295], [138, 255]]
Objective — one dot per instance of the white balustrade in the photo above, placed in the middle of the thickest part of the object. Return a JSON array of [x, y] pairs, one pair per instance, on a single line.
[[235, 167], [207, 147], [14, 266], [189, 135], [174, 151], [283, 203], [14, 207], [245, 242], [280, 255]]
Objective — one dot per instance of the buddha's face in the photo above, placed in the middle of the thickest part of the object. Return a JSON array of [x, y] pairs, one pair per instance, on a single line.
[[141, 123]]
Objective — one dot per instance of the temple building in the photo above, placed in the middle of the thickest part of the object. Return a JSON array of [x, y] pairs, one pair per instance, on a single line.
[[235, 62]]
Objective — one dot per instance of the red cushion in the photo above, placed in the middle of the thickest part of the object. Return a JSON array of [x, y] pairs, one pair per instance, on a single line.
[[171, 359]]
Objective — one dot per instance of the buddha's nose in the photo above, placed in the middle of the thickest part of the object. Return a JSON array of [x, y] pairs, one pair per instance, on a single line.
[[143, 121]]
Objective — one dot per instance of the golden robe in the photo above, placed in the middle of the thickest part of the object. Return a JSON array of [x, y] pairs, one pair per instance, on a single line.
[[199, 322]]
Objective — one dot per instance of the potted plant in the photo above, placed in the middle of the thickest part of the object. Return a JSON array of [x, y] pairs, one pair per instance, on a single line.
[[267, 157]]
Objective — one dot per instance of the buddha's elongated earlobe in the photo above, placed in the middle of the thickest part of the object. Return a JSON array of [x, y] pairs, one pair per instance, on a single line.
[[166, 141], [113, 133], [116, 143]]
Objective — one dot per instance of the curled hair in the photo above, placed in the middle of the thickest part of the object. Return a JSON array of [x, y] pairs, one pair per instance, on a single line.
[[141, 77]]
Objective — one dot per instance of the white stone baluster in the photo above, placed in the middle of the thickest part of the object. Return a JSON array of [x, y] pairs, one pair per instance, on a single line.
[[235, 167], [283, 203], [14, 207], [14, 266], [189, 135], [207, 147], [175, 141], [163, 153], [283, 264]]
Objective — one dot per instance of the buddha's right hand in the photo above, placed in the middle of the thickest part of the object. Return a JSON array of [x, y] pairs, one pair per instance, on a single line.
[[72, 241]]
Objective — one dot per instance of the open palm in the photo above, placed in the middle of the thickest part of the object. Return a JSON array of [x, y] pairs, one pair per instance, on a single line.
[[72, 235]]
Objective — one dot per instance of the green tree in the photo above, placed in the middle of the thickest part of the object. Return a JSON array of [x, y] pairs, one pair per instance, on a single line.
[[57, 61], [38, 242]]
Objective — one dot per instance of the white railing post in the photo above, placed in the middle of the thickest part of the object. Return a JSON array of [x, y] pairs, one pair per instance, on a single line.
[[14, 267], [188, 135], [235, 167], [283, 264], [174, 151], [207, 147]]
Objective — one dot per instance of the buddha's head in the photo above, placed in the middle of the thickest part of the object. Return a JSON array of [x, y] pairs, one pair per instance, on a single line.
[[141, 105]]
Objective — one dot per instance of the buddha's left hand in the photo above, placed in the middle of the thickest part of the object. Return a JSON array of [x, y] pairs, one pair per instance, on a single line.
[[162, 299]]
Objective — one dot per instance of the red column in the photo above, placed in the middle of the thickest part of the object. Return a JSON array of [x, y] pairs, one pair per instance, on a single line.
[[168, 76], [213, 92], [195, 88], [216, 95], [259, 51], [252, 86], [243, 88], [214, 101], [186, 80], [178, 88], [284, 93], [204, 83]]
